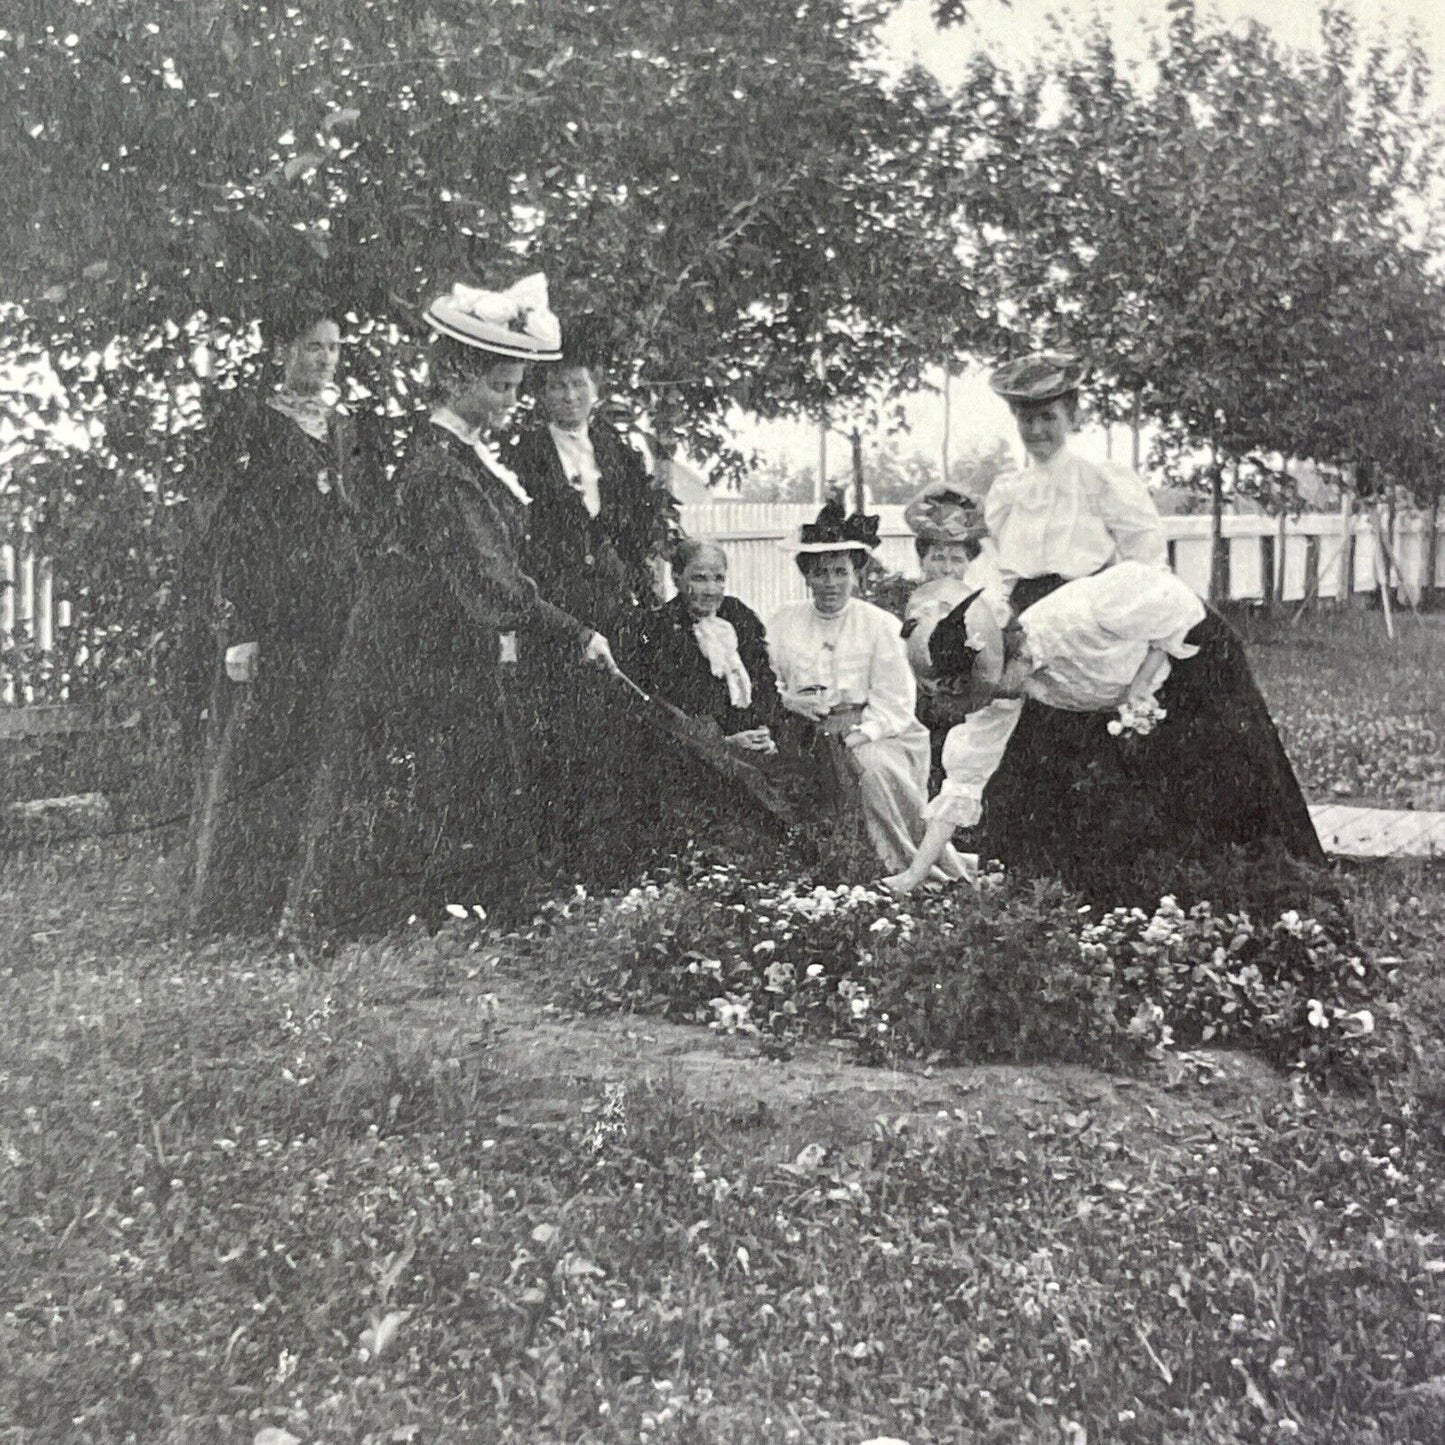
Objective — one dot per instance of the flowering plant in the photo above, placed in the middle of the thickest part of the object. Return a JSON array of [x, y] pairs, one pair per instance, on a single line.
[[1138, 717], [1286, 987]]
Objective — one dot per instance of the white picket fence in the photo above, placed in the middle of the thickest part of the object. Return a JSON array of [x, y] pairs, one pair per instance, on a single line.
[[761, 570]]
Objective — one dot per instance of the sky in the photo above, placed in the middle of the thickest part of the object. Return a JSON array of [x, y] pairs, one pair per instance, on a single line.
[[1014, 33]]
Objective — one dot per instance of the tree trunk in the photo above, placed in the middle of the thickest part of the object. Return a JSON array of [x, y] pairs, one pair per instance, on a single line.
[[855, 441], [1135, 423], [1216, 534], [1429, 592], [943, 457]]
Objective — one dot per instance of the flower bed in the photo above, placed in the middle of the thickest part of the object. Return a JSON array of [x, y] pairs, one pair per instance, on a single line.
[[1015, 971]]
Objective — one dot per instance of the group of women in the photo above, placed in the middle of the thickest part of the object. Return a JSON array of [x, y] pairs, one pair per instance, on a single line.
[[365, 754]]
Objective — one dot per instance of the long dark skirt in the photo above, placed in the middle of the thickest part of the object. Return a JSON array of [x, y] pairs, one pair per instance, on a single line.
[[422, 799], [1070, 800], [258, 750]]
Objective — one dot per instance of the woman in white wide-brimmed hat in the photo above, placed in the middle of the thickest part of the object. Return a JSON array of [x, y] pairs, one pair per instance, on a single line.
[[425, 801], [841, 663]]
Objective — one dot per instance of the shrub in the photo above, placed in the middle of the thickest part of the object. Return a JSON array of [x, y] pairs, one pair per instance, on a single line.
[[1014, 971]]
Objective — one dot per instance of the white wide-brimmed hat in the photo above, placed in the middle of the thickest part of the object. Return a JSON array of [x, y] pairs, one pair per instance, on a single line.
[[516, 323]]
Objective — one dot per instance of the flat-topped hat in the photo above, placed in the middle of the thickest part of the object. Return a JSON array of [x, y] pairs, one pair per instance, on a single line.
[[946, 516], [832, 531], [1043, 377], [516, 323]]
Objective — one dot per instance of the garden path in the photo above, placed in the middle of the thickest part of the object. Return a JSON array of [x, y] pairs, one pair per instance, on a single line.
[[1352, 832]]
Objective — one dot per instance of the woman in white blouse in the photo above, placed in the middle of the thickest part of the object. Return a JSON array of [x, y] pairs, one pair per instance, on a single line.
[[841, 663], [1061, 516], [1142, 729]]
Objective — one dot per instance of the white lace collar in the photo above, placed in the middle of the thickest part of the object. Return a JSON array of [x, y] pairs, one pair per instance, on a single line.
[[448, 420]]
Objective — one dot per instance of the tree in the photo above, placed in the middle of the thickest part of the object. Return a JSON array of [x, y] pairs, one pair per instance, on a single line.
[[735, 185], [1242, 246]]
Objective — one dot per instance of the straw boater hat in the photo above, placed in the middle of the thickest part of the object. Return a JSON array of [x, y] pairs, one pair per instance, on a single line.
[[1034, 380], [831, 531], [516, 323]]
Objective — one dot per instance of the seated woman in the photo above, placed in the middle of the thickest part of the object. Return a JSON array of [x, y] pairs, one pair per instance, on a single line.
[[841, 664], [957, 558], [1188, 766], [707, 653]]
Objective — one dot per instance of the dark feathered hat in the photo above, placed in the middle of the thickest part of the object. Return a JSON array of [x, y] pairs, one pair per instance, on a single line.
[[832, 531]]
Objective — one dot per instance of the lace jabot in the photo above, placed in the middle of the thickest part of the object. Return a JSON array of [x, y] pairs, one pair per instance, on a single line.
[[311, 413], [719, 643]]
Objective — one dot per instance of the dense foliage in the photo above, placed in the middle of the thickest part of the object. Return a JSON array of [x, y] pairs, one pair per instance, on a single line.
[[762, 212]]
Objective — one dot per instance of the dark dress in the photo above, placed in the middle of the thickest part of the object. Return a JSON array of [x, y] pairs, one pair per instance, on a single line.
[[1070, 800], [278, 551], [668, 662], [600, 569], [423, 798]]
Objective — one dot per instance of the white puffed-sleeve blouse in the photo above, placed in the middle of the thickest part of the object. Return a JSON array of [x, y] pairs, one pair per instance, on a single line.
[[854, 659], [1071, 516], [1087, 640]]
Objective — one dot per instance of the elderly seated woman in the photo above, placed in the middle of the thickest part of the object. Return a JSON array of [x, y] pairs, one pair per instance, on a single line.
[[706, 652], [841, 664], [1142, 729]]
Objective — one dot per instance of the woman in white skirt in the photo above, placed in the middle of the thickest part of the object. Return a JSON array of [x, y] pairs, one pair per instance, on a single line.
[[841, 663]]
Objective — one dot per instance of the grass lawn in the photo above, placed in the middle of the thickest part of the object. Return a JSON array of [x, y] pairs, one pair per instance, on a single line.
[[241, 1192], [394, 1195], [1362, 717]]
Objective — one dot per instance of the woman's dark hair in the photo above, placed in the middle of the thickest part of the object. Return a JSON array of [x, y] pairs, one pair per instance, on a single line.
[[1069, 398], [856, 555], [293, 313], [690, 549], [924, 545], [456, 361]]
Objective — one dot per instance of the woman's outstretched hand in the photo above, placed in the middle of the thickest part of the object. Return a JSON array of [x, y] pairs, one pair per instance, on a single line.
[[753, 740], [600, 654]]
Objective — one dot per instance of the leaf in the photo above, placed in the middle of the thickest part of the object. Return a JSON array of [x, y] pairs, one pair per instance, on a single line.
[[378, 1338], [301, 165], [809, 1158], [347, 115], [545, 1235]]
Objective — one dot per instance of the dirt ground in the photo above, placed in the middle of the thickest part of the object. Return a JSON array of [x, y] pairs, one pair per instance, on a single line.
[[549, 1063]]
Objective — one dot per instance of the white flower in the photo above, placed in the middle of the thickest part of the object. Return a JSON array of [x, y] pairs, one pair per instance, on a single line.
[[1317, 1016], [1291, 923], [882, 926], [1360, 1023]]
